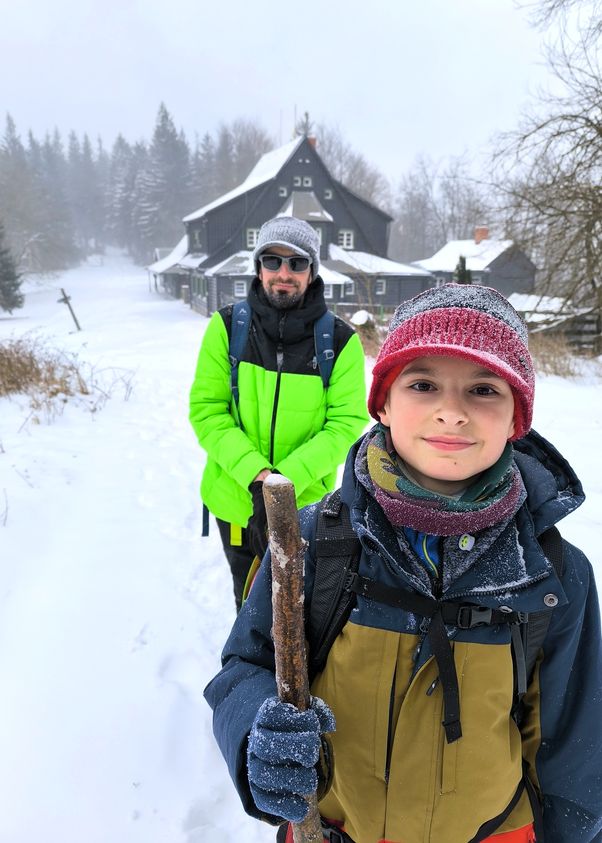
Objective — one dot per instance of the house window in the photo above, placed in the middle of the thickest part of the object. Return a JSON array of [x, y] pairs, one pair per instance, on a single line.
[[328, 193], [328, 291], [349, 288], [307, 182], [318, 230], [380, 286], [296, 181], [252, 235], [240, 289], [282, 191], [196, 239], [346, 238]]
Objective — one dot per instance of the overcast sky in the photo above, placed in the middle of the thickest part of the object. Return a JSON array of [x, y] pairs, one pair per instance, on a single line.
[[399, 78]]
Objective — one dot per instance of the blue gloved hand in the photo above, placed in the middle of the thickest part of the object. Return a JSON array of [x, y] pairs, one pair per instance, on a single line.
[[284, 747]]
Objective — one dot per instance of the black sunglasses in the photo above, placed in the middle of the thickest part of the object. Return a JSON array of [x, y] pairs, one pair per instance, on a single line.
[[274, 262]]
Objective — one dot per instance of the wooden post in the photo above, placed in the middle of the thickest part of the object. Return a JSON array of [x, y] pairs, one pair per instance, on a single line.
[[67, 300], [287, 549]]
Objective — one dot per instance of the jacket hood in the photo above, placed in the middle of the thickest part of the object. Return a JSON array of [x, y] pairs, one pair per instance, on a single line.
[[553, 488]]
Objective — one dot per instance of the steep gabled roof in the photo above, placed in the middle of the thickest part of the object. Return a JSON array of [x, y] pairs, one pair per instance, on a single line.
[[478, 255], [267, 168]]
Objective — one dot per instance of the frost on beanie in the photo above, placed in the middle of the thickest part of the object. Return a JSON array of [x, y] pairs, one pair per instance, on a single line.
[[291, 233], [459, 320]]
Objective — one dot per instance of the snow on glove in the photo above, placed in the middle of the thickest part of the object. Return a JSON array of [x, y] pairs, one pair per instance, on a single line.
[[257, 528], [284, 747]]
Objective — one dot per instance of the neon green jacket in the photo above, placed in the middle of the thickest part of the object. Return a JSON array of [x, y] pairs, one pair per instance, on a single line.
[[288, 421]]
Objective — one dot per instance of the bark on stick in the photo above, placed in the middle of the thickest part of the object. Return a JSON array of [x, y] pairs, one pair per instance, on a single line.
[[287, 549]]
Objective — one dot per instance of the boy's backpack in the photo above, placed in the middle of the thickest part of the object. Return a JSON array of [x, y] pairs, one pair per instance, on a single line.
[[337, 584], [241, 323]]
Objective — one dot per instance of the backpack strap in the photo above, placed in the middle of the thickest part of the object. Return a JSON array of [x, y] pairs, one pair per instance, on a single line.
[[239, 333], [337, 551], [324, 345], [538, 623]]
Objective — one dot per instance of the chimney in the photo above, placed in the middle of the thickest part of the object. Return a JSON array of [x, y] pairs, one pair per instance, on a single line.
[[481, 232], [312, 141]]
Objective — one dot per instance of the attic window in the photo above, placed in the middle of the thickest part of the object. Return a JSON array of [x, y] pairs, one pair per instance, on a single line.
[[296, 181], [307, 182], [252, 235], [328, 193], [346, 238], [196, 239], [282, 191]]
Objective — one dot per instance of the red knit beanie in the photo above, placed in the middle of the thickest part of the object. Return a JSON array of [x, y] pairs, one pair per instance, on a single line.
[[459, 320]]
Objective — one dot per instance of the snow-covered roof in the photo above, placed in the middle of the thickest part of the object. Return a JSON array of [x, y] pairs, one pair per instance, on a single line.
[[371, 264], [544, 312], [268, 167], [192, 260], [240, 263], [478, 255], [304, 205], [172, 259], [331, 276]]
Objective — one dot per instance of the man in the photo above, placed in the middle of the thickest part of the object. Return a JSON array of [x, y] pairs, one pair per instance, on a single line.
[[285, 420]]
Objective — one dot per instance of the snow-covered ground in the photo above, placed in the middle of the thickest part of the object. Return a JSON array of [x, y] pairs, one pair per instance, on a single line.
[[113, 608]]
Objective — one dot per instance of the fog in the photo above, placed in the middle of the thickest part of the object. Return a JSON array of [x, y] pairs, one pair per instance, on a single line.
[[397, 79]]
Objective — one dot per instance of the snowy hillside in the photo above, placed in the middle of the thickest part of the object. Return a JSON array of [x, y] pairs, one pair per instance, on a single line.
[[113, 609]]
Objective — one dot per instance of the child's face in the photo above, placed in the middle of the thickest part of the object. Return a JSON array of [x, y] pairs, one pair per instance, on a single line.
[[450, 420]]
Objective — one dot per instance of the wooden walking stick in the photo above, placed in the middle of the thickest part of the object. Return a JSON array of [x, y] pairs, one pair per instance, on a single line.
[[288, 550]]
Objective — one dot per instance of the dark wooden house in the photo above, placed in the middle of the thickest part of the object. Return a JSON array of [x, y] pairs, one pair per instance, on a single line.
[[294, 181], [500, 264]]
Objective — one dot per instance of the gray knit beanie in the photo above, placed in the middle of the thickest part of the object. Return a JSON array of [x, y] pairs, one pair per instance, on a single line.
[[292, 233]]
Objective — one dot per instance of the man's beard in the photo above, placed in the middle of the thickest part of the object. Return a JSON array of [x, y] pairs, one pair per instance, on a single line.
[[283, 300]]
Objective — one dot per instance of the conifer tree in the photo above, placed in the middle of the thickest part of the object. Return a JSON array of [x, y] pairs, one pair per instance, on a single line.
[[461, 274], [11, 297]]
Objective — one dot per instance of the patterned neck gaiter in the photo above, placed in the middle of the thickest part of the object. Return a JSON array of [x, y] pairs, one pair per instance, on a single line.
[[493, 497]]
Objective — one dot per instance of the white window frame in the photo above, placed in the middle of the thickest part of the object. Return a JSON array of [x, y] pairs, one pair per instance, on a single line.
[[346, 238], [296, 181], [240, 289], [328, 291], [252, 235], [318, 229], [349, 288], [196, 238], [282, 190], [327, 193], [380, 286], [307, 181]]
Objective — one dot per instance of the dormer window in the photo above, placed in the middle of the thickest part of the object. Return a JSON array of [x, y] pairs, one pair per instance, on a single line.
[[307, 181], [327, 193], [252, 235], [282, 190], [346, 238], [296, 181]]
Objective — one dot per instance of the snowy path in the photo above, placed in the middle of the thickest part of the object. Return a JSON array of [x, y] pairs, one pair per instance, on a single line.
[[113, 610]]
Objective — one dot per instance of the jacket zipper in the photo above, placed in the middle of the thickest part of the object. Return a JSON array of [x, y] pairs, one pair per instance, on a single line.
[[390, 728], [279, 361]]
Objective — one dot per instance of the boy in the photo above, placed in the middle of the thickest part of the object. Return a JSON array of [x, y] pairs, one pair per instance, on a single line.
[[436, 740]]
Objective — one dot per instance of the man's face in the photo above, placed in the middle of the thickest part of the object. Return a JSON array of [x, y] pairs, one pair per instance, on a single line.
[[450, 420], [283, 287]]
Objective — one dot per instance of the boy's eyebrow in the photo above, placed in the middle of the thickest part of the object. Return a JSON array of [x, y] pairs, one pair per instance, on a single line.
[[425, 369]]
